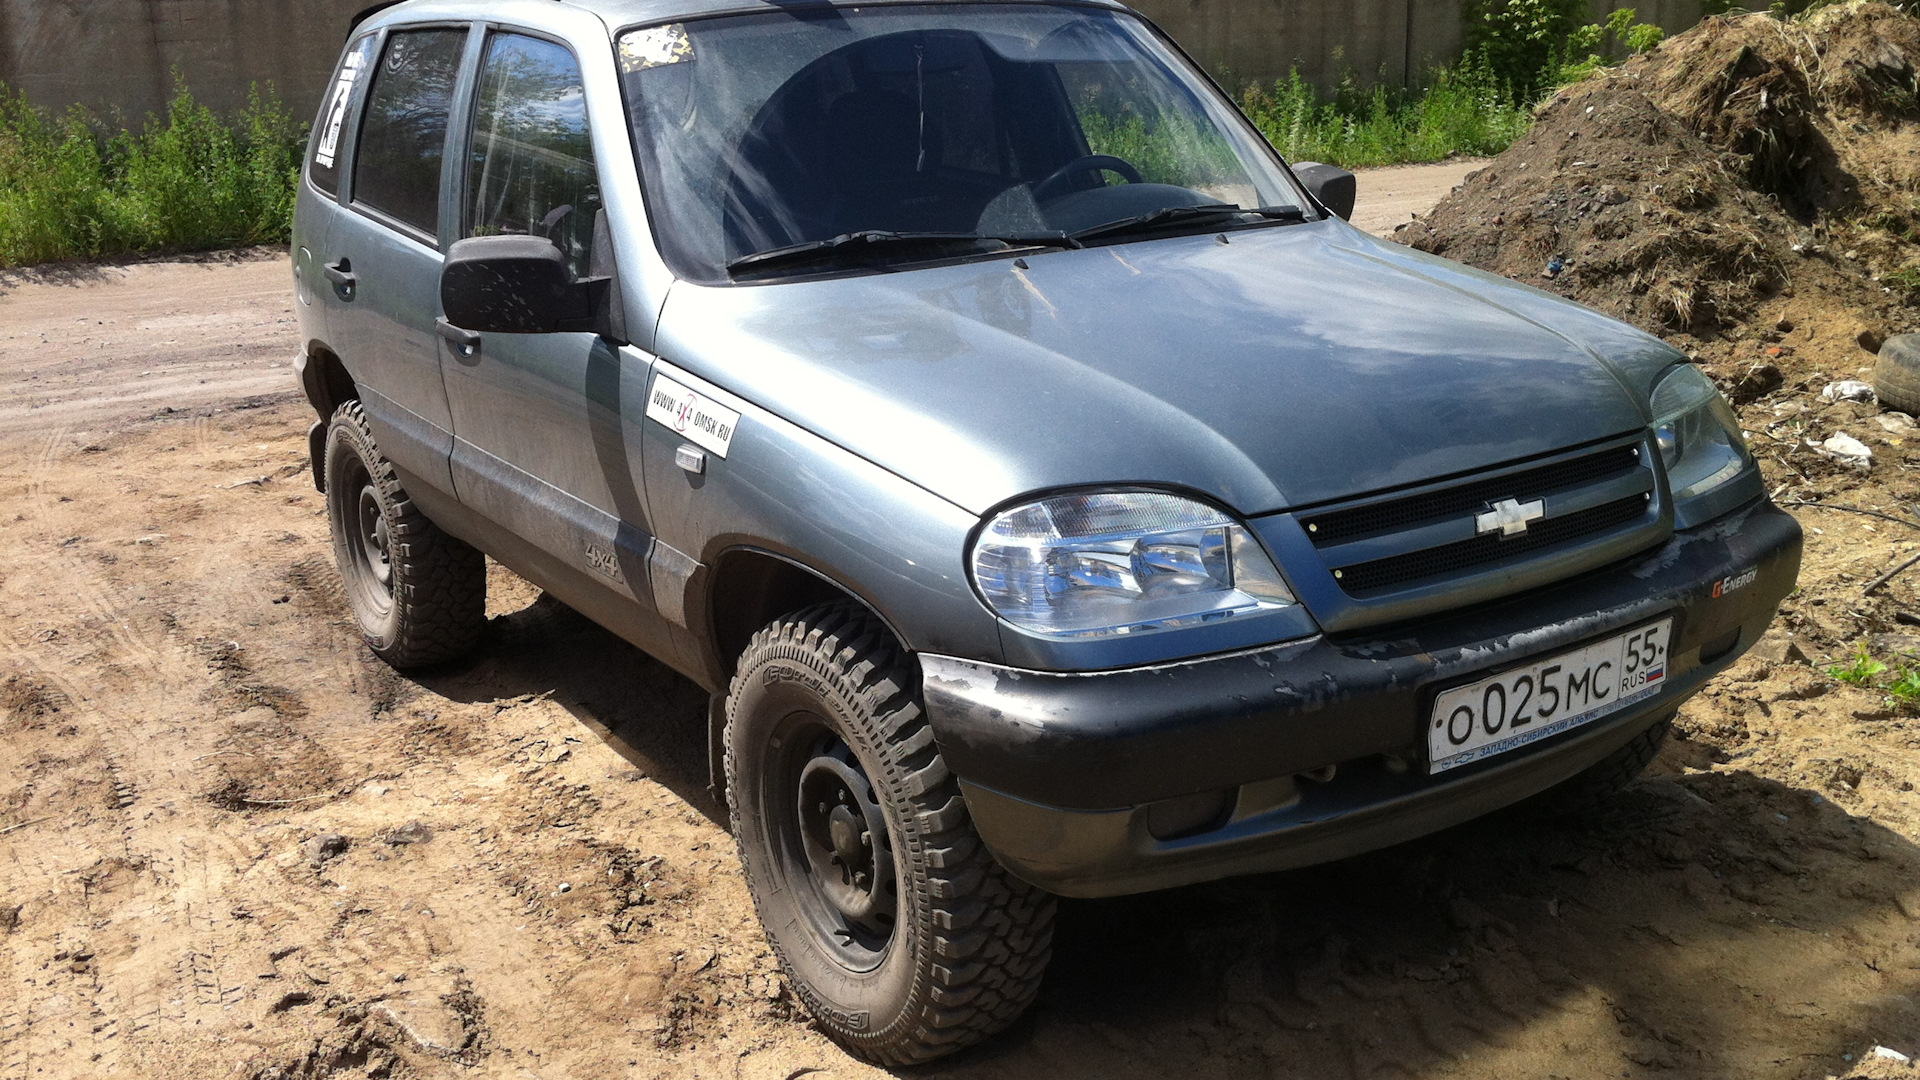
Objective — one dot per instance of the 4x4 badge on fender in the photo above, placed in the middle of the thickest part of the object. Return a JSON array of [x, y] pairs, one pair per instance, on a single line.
[[1509, 517]]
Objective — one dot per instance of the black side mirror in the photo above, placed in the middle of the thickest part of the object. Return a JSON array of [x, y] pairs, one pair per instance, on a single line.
[[519, 285], [1335, 187]]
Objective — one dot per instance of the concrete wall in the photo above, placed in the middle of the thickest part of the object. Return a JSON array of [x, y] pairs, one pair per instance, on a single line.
[[1392, 40], [118, 55]]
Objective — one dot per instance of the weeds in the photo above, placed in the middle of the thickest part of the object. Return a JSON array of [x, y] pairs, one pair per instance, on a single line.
[[188, 181], [1862, 670], [1463, 111], [1900, 684]]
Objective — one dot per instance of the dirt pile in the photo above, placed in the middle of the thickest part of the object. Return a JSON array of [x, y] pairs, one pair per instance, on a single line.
[[1749, 190], [1738, 168]]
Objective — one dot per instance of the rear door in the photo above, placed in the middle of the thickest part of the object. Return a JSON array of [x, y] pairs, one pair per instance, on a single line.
[[384, 255], [539, 446], [318, 207]]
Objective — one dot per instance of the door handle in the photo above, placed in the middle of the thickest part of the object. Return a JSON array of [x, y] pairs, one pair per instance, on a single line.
[[465, 342], [342, 276]]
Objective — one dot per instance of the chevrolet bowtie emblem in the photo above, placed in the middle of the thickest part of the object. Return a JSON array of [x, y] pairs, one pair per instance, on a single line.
[[1509, 517]]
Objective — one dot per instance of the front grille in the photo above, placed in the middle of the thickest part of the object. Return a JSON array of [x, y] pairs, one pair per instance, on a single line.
[[1362, 579], [1399, 515]]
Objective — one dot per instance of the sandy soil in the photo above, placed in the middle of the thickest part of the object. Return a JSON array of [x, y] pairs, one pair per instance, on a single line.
[[1393, 196], [232, 844]]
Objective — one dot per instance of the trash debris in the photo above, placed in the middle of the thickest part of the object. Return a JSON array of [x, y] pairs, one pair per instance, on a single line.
[[1849, 390], [1896, 423], [1845, 449], [1890, 1055], [1554, 266]]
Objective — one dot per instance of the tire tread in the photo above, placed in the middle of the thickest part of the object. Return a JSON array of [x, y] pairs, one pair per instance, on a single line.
[[990, 934]]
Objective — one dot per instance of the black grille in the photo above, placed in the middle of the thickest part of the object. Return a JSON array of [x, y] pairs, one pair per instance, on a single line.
[[1398, 515], [1449, 559]]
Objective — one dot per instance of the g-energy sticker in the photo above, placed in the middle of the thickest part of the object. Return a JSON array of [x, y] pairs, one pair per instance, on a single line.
[[705, 422], [655, 46], [337, 110], [1736, 582]]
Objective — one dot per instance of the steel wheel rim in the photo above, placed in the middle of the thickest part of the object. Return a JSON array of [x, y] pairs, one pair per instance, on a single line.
[[837, 840], [371, 529], [364, 537]]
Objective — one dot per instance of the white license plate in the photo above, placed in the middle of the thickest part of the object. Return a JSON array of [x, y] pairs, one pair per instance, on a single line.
[[1526, 704]]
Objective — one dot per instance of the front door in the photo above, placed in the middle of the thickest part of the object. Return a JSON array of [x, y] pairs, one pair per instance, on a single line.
[[538, 444]]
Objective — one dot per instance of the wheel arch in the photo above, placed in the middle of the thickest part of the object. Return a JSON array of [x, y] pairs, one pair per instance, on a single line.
[[328, 384], [749, 587]]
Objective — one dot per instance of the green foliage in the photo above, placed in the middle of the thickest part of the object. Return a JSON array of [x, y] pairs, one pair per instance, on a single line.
[[1534, 46], [188, 181], [1464, 110], [1906, 280], [1862, 670], [1906, 688], [1526, 42], [1173, 150]]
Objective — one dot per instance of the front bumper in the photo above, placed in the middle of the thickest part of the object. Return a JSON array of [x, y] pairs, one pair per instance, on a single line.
[[1063, 772]]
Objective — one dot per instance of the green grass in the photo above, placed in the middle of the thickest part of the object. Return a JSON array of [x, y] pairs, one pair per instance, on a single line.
[[1463, 110], [191, 180]]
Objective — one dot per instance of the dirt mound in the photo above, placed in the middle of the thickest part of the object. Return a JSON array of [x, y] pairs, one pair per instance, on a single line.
[[1741, 165], [1613, 201], [1750, 191]]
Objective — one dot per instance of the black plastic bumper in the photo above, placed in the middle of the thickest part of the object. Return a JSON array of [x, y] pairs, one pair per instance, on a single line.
[[1061, 770]]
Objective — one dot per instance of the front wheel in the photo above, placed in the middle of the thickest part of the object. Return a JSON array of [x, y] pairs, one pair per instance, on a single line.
[[897, 929]]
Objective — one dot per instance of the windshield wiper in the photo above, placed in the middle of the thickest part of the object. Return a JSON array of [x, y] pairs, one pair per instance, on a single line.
[[869, 245], [1174, 214]]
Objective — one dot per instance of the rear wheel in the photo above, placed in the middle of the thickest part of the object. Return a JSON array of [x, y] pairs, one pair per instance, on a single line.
[[418, 595], [897, 929]]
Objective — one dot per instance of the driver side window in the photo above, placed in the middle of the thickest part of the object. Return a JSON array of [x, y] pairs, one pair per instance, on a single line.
[[530, 167]]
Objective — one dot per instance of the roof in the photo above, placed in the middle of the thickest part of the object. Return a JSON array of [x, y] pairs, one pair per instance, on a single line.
[[617, 14]]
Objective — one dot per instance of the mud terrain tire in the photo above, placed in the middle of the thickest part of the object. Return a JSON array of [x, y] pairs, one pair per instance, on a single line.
[[893, 924], [1896, 378], [418, 595]]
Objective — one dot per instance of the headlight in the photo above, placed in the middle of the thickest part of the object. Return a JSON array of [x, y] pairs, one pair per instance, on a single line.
[[1699, 437], [1104, 564]]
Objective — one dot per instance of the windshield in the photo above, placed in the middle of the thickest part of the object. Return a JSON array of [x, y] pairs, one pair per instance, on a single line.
[[763, 132]]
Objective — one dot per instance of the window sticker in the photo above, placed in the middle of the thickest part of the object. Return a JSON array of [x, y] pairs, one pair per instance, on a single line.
[[704, 421], [655, 46], [337, 113]]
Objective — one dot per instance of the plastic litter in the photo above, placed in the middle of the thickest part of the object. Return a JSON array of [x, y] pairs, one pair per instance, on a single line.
[[1849, 390], [1847, 450], [1890, 1055]]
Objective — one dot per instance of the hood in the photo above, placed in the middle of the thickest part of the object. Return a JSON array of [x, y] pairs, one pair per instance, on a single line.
[[1290, 366]]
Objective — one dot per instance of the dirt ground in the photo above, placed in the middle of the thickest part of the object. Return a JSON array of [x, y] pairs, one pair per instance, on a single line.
[[232, 844]]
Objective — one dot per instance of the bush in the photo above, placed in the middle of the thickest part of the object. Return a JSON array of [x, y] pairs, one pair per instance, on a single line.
[[187, 182]]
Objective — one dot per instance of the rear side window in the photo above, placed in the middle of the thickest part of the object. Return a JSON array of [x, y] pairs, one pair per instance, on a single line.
[[325, 170], [531, 170], [404, 133]]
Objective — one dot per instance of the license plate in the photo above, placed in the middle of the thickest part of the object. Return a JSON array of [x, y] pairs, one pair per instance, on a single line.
[[1509, 710]]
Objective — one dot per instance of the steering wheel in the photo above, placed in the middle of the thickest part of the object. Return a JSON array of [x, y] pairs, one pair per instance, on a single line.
[[1091, 162]]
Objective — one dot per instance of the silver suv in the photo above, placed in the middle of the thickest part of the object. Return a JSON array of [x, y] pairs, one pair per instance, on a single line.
[[1055, 493]]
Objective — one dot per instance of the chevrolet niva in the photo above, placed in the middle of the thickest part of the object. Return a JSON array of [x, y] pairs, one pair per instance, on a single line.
[[1055, 493]]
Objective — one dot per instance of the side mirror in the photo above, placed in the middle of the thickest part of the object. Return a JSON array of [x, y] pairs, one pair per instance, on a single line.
[[1335, 187], [519, 285]]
